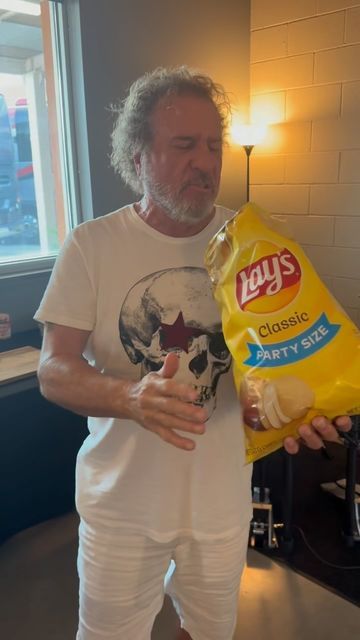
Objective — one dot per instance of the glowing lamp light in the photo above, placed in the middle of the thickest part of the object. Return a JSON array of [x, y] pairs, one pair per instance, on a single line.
[[20, 6], [247, 135]]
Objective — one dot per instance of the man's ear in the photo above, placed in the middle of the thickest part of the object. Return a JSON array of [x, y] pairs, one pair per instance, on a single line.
[[137, 163]]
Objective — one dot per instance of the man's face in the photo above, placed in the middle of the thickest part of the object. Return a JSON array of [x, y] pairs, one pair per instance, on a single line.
[[181, 170]]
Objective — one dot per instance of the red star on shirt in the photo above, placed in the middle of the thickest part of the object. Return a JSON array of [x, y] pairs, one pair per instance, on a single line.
[[177, 335]]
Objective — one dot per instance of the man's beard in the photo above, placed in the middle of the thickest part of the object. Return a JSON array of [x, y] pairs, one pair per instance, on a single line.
[[175, 204]]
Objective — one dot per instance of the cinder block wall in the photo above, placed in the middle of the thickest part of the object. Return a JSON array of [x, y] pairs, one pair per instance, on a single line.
[[305, 77]]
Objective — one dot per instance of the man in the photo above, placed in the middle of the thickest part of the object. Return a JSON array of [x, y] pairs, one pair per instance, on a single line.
[[133, 340]]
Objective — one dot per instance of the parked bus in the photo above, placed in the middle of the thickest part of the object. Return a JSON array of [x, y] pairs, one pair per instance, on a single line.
[[19, 118], [9, 203]]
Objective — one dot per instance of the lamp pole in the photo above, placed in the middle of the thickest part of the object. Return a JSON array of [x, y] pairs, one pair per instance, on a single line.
[[247, 136], [248, 149]]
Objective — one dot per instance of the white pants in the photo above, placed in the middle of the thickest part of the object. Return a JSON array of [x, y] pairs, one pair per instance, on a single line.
[[122, 584]]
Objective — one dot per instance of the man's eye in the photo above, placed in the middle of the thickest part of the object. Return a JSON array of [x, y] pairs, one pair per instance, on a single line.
[[186, 144], [216, 146]]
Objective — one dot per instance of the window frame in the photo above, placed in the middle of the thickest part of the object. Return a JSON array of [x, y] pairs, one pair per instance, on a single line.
[[64, 117]]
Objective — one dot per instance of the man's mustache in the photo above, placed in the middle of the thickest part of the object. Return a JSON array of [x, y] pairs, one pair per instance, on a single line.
[[199, 179]]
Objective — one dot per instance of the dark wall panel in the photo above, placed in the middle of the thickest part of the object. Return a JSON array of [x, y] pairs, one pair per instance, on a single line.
[[127, 38]]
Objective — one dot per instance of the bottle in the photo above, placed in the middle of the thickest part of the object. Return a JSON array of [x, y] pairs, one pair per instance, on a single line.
[[5, 326]]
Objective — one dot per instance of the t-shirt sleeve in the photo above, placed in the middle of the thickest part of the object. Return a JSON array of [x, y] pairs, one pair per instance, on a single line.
[[70, 297]]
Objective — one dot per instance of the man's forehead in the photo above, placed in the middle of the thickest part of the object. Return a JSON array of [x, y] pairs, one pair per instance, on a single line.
[[185, 110]]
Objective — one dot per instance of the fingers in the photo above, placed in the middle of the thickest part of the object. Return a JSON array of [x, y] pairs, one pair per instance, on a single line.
[[170, 366], [165, 407], [169, 436], [311, 437], [343, 423], [187, 418], [291, 445], [170, 388], [174, 407], [170, 404], [321, 429], [164, 425]]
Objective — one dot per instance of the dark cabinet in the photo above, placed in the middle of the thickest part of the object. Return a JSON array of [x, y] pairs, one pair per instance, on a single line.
[[38, 446]]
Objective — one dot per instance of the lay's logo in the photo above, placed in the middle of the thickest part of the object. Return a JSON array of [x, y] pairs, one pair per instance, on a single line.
[[270, 282]]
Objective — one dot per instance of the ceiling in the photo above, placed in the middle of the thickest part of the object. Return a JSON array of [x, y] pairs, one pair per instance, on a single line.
[[20, 38]]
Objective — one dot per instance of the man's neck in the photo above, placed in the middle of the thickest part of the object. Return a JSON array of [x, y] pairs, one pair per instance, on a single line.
[[158, 219]]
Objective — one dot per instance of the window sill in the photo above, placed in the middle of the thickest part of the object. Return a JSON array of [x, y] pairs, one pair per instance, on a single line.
[[26, 267]]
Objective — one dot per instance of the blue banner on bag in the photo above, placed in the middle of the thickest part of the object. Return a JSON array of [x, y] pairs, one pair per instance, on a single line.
[[298, 348]]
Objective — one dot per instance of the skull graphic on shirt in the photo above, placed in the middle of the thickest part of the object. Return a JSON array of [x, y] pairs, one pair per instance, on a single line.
[[174, 311]]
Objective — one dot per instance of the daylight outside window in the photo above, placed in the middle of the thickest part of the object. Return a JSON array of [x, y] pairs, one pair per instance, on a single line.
[[34, 205]]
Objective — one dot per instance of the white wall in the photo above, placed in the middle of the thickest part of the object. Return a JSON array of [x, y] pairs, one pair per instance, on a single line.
[[305, 76]]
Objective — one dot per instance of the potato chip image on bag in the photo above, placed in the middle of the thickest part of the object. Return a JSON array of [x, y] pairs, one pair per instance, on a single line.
[[296, 353]]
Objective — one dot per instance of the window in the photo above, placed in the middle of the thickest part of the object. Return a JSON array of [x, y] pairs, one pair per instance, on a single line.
[[38, 190]]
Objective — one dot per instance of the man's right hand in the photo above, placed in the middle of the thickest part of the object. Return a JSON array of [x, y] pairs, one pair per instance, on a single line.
[[158, 402], [164, 406]]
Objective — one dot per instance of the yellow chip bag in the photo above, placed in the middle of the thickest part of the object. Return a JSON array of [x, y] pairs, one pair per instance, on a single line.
[[296, 353]]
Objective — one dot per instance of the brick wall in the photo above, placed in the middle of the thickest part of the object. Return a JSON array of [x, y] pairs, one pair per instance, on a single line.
[[305, 79]]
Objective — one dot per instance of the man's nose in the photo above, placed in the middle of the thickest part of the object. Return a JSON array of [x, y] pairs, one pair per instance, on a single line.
[[204, 158]]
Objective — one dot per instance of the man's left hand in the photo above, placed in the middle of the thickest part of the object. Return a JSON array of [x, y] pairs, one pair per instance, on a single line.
[[320, 430]]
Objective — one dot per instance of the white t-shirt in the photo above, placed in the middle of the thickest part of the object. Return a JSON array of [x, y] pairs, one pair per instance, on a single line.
[[142, 294]]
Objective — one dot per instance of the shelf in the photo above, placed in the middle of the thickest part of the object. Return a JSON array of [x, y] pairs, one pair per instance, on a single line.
[[17, 364]]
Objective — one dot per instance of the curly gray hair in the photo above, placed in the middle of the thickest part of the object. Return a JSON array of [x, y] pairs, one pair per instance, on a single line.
[[132, 132]]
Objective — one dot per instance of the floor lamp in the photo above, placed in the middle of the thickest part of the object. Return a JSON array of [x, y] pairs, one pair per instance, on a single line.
[[247, 135]]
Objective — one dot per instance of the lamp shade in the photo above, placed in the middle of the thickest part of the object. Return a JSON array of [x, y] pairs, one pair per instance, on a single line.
[[247, 134]]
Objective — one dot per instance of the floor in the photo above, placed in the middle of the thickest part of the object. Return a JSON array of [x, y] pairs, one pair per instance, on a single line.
[[38, 595]]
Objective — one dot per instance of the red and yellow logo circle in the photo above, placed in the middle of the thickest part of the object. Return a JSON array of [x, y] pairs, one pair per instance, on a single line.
[[270, 279]]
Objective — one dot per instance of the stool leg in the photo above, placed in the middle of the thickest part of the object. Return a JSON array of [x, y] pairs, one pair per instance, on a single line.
[[287, 538], [349, 507]]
